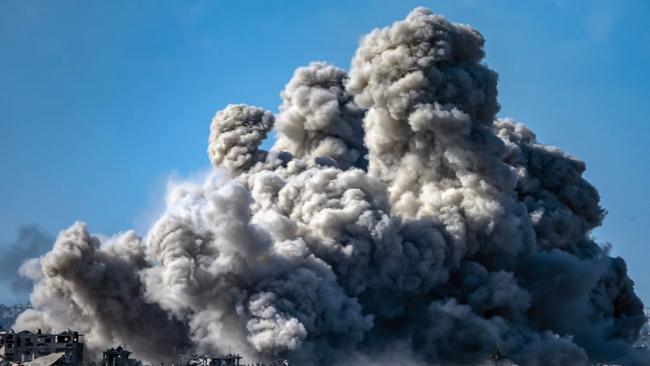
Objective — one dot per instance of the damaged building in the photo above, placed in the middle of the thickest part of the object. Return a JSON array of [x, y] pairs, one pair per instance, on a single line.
[[230, 359], [203, 360], [118, 357], [28, 348], [65, 348]]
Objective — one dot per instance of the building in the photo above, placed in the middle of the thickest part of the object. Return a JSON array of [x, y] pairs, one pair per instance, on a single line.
[[227, 360], [26, 346], [118, 357]]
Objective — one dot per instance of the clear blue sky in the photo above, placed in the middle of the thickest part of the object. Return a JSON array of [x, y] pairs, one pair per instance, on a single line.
[[100, 101]]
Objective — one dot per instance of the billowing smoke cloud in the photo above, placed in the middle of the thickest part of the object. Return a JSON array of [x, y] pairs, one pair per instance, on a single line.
[[319, 119], [30, 242], [236, 133], [395, 215], [96, 288]]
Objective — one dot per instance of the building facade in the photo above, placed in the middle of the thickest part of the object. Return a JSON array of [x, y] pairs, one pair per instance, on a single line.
[[118, 357], [26, 346]]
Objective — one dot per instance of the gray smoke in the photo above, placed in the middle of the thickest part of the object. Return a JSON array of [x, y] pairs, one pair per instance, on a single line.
[[30, 242], [96, 288], [319, 120], [235, 135], [395, 215]]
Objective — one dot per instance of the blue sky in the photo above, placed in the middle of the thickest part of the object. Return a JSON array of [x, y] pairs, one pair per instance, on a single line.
[[100, 102]]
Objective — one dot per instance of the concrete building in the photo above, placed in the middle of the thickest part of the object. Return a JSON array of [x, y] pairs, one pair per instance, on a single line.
[[26, 346], [230, 359], [118, 357], [227, 360]]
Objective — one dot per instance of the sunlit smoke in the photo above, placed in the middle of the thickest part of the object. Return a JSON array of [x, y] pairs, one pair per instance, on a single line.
[[394, 215]]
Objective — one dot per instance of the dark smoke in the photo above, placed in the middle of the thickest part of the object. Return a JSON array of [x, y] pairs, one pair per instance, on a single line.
[[31, 242], [395, 215]]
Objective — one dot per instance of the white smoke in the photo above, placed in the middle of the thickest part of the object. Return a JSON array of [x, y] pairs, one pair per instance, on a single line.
[[394, 212]]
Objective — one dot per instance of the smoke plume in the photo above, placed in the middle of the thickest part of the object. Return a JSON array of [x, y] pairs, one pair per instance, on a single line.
[[395, 216], [30, 242]]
